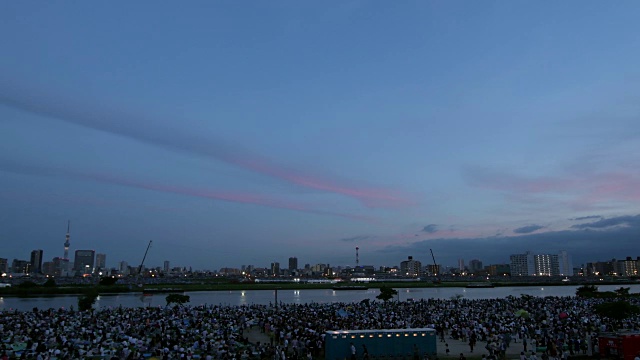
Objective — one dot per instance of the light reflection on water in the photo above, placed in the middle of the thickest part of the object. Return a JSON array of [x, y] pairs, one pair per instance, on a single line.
[[267, 297]]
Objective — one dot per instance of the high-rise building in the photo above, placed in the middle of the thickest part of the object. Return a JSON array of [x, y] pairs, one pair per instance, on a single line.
[[546, 265], [522, 264], [59, 266], [36, 261], [20, 266], [461, 264], [293, 264], [123, 268], [84, 261], [475, 265], [275, 269], [530, 264], [166, 267], [565, 264], [4, 266], [410, 267], [628, 267], [101, 262], [49, 268]]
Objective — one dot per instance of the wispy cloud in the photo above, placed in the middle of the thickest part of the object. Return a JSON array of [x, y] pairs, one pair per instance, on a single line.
[[143, 130], [580, 190], [590, 217], [356, 238], [236, 197], [431, 228], [527, 229], [610, 222], [508, 182]]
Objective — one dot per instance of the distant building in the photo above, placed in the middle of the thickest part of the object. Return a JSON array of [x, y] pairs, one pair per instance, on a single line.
[[166, 267], [20, 266], [410, 267], [230, 271], [101, 262], [475, 265], [461, 265], [293, 264], [565, 264], [48, 268], [123, 268], [275, 269], [84, 261], [546, 265], [498, 269], [36, 261], [628, 267], [60, 266], [522, 264], [434, 270], [530, 264], [4, 266]]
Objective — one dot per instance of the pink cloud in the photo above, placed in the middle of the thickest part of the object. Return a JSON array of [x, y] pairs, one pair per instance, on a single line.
[[508, 182], [237, 197], [122, 124], [581, 191], [370, 197]]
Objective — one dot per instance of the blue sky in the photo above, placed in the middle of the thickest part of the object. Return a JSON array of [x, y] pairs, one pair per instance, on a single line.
[[245, 133]]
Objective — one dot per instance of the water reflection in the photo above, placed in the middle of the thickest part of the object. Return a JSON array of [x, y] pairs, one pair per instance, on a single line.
[[267, 297]]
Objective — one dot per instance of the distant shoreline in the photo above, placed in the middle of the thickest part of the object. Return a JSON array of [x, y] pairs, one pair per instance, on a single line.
[[39, 291]]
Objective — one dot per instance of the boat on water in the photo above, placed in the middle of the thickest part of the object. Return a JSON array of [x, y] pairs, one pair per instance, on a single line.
[[480, 285], [350, 287]]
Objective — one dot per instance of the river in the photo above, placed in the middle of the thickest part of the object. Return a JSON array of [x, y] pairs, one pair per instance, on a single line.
[[266, 297]]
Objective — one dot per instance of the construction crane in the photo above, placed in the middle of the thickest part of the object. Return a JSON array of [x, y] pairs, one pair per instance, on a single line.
[[142, 263], [435, 269], [145, 256]]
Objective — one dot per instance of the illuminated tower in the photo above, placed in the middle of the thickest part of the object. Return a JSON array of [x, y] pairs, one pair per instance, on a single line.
[[67, 243]]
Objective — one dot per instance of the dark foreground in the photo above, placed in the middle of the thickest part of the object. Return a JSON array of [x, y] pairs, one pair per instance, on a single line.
[[554, 327]]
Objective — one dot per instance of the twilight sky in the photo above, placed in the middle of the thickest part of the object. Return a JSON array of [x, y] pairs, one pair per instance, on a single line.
[[234, 133]]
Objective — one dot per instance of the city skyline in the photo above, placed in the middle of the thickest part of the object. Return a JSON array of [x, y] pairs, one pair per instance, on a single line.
[[248, 133], [563, 259]]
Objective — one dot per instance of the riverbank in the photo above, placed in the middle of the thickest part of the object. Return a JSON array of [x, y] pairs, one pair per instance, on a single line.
[[42, 290]]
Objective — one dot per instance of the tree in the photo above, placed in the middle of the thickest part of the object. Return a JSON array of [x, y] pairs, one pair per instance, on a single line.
[[108, 280], [86, 301], [386, 293], [49, 283], [177, 299], [622, 291], [586, 290], [27, 284], [616, 310]]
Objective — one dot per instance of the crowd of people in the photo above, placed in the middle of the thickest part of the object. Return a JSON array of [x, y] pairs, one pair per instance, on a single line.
[[552, 327]]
